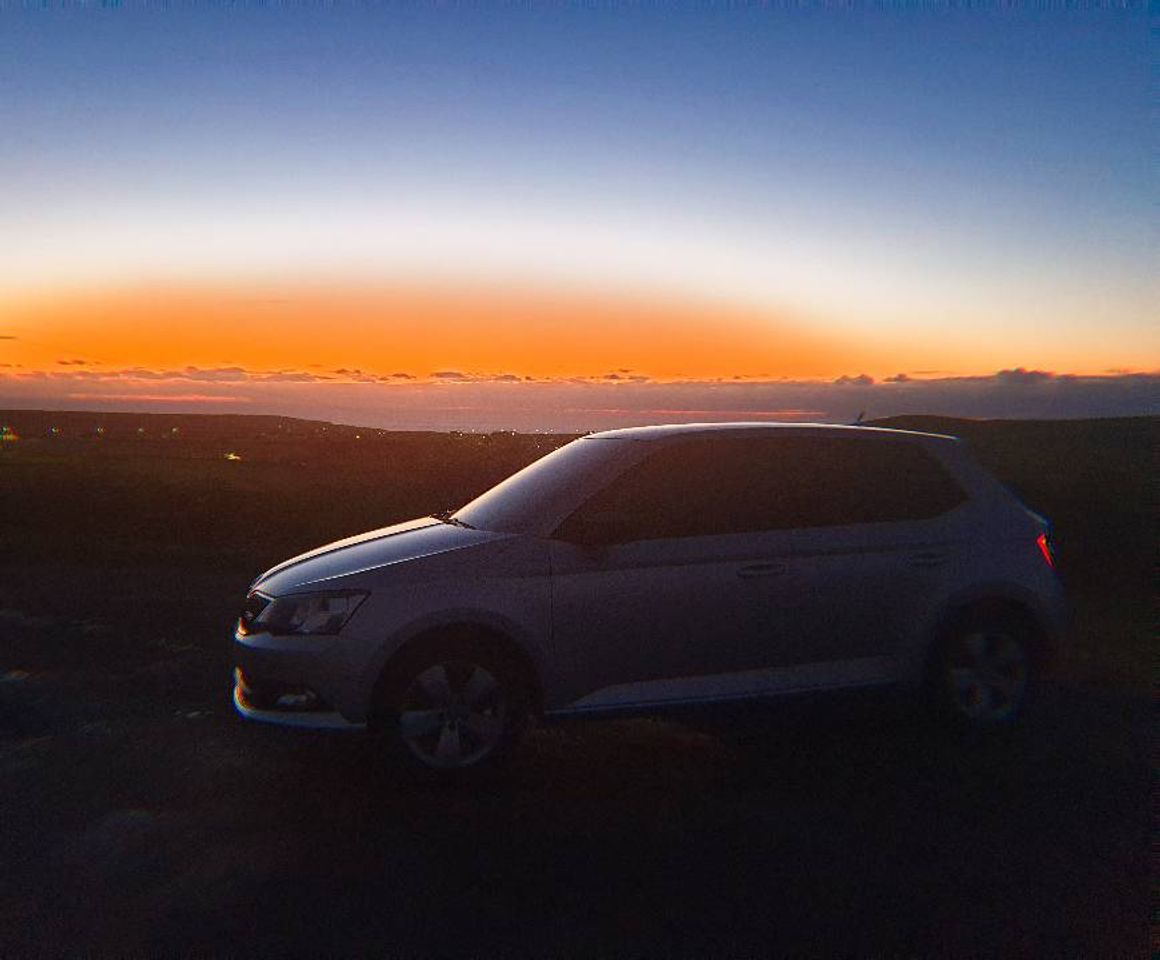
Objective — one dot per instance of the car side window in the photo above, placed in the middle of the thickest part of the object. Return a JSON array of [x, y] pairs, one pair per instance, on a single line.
[[714, 486], [700, 487], [844, 481]]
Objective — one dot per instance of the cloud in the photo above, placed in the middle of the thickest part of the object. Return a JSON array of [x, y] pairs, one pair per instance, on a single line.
[[1025, 377], [198, 374], [399, 376], [8, 336], [217, 374], [72, 363], [862, 380], [77, 375], [458, 376], [196, 399], [139, 373], [488, 401], [289, 376], [356, 374]]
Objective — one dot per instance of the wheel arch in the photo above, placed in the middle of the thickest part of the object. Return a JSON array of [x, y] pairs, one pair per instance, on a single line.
[[1000, 600], [505, 639]]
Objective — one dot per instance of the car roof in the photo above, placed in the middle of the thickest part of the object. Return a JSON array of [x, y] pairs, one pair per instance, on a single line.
[[666, 431]]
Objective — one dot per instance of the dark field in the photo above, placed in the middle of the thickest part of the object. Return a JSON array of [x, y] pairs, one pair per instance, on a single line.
[[139, 816]]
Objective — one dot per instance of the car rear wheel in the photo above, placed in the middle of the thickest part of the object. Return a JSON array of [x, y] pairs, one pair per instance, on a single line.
[[982, 674], [455, 710]]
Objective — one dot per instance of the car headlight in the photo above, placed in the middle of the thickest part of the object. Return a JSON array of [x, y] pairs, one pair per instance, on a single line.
[[306, 613]]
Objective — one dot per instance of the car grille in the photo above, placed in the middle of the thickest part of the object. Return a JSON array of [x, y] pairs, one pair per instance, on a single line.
[[255, 604]]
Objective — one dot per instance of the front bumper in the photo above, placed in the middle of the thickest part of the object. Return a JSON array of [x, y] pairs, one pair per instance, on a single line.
[[286, 716], [290, 682]]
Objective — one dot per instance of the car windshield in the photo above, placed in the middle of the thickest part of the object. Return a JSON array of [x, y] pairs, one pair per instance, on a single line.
[[531, 500]]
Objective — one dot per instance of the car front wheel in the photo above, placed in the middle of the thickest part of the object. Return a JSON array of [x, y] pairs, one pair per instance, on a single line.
[[455, 710]]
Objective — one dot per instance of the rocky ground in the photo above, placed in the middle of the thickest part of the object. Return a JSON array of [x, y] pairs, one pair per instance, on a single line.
[[141, 817]]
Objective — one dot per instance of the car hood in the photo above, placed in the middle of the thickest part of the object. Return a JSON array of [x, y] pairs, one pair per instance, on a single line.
[[412, 540]]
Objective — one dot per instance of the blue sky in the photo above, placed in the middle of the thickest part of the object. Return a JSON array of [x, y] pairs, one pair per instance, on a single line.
[[958, 175]]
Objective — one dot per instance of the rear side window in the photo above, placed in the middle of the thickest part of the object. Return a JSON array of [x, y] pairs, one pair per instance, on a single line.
[[713, 486], [840, 481]]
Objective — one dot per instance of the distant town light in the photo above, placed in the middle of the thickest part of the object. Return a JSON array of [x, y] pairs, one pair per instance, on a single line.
[[232, 456]]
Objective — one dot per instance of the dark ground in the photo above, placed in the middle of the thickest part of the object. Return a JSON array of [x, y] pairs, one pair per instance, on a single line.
[[139, 816]]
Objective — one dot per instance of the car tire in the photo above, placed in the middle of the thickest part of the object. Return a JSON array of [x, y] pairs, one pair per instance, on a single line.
[[981, 673], [453, 708]]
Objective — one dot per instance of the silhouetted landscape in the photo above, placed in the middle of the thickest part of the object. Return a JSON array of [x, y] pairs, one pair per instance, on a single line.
[[139, 815]]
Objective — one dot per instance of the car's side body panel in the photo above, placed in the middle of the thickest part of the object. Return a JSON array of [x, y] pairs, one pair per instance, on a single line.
[[734, 686], [656, 609], [856, 591]]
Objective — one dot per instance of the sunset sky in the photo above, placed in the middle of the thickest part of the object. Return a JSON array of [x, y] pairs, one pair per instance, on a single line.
[[553, 216]]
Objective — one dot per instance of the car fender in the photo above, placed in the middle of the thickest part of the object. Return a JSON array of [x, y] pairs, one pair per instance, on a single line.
[[1049, 618], [530, 641]]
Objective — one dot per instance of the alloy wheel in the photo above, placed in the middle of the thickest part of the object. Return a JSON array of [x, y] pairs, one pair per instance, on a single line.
[[987, 676], [453, 714]]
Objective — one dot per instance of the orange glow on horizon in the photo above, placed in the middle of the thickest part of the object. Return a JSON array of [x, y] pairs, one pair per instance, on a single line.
[[420, 329], [332, 329]]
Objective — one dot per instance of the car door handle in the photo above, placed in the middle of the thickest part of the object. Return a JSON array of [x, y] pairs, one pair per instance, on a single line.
[[928, 558], [773, 569]]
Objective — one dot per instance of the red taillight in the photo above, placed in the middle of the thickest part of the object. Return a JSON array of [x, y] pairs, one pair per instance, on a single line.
[[1044, 544]]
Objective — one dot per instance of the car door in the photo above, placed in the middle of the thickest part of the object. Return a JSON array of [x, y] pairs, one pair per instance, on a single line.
[[875, 539], [655, 580], [858, 590], [665, 619]]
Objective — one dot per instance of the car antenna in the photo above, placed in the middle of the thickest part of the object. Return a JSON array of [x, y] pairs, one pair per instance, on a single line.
[[858, 422]]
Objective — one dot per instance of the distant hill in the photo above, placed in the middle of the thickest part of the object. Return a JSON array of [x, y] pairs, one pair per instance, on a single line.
[[968, 428], [88, 424]]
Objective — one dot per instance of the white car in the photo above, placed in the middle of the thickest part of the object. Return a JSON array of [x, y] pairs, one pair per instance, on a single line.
[[662, 566]]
